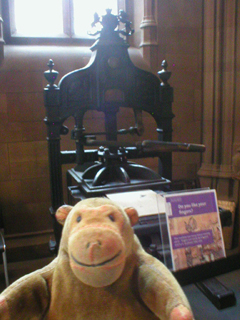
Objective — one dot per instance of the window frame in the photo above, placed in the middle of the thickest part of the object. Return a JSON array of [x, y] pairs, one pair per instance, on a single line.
[[67, 37]]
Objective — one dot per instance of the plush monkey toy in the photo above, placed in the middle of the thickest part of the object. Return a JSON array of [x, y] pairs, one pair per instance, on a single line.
[[101, 273]]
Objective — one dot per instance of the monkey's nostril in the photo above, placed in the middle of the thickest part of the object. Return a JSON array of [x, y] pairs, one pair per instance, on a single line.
[[97, 242]]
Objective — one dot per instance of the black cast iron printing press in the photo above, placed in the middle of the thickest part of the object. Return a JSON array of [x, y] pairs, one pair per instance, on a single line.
[[109, 82], [103, 162]]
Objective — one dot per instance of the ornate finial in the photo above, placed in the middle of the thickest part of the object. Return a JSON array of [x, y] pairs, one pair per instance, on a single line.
[[51, 74], [164, 74], [50, 64], [123, 17], [109, 22]]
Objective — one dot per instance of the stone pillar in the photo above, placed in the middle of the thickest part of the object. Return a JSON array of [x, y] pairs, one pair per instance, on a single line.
[[149, 42], [219, 100]]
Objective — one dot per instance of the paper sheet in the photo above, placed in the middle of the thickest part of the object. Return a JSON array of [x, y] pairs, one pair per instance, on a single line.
[[146, 202]]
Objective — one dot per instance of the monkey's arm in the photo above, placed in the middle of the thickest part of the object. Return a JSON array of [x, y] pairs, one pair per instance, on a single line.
[[28, 297], [159, 289]]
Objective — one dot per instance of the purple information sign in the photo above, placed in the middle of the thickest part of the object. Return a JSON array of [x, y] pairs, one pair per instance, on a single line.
[[194, 228], [192, 239], [192, 204]]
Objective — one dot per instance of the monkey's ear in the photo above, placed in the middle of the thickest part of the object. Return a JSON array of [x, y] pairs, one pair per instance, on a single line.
[[132, 214], [62, 213]]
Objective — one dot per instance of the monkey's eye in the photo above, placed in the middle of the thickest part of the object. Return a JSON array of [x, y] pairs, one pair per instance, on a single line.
[[79, 218], [111, 217]]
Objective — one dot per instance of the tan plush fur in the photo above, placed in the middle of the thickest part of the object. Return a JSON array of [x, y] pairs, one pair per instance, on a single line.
[[101, 272]]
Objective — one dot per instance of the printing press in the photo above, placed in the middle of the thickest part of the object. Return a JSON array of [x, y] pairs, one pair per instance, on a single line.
[[103, 162], [109, 82], [106, 161]]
